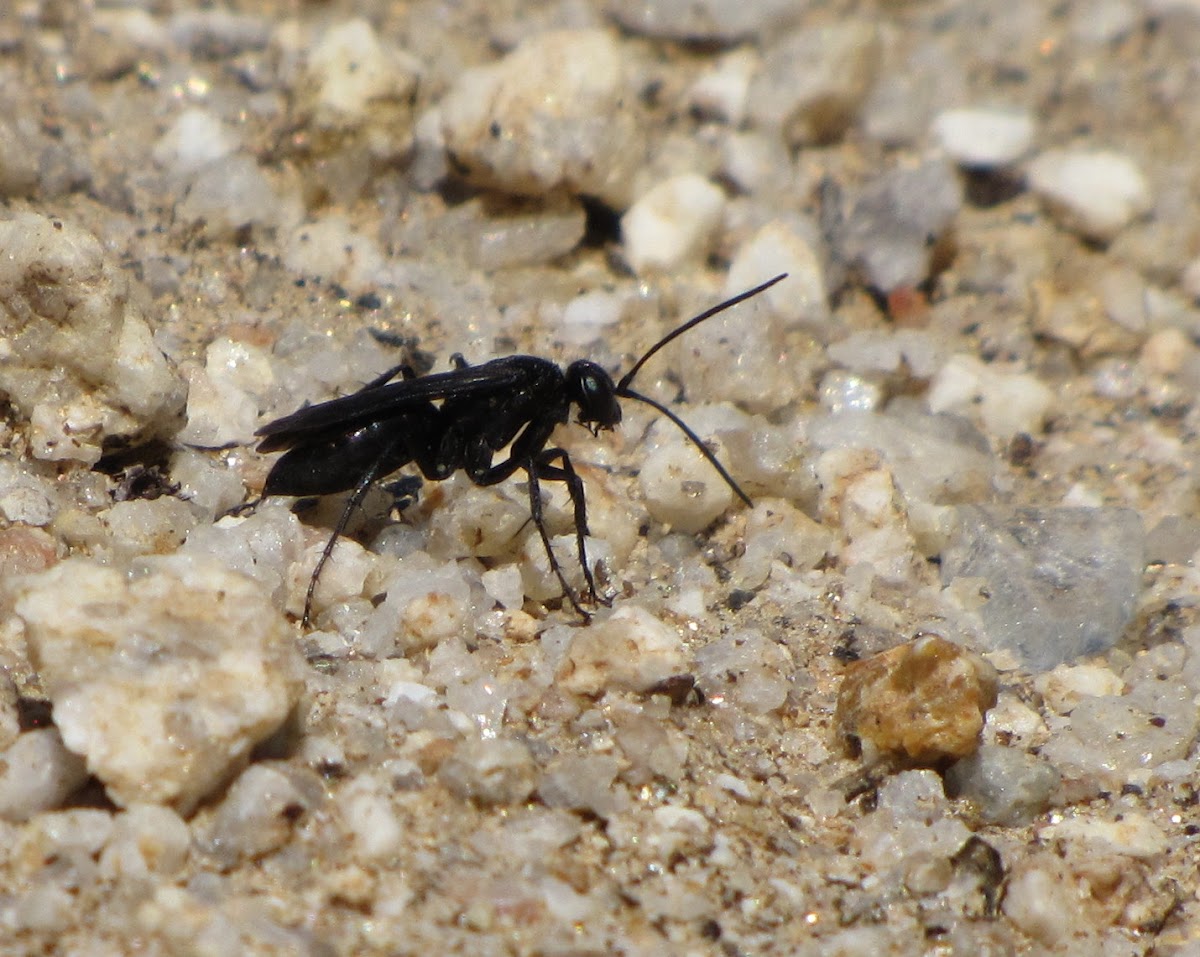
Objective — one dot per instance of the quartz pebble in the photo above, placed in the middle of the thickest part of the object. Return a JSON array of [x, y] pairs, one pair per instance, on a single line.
[[983, 138], [1061, 583], [491, 772], [859, 496], [1112, 740], [778, 248], [1007, 403], [10, 723], [631, 650], [37, 773], [921, 702], [672, 223], [896, 222], [354, 81], [1133, 835], [196, 138], [813, 81], [230, 194], [1065, 686], [556, 113], [258, 812], [723, 91], [681, 489], [119, 658], [1094, 193], [79, 359], [1008, 786], [581, 783], [20, 145], [746, 669], [147, 840]]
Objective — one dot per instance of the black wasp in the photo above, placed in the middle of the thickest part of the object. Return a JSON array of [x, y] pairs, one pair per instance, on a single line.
[[461, 419]]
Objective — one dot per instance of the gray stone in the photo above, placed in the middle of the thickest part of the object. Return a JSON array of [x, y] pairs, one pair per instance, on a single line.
[[1059, 582]]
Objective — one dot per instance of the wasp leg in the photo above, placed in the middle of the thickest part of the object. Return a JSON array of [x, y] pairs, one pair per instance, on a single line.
[[404, 370], [354, 501], [565, 473], [535, 509], [528, 452]]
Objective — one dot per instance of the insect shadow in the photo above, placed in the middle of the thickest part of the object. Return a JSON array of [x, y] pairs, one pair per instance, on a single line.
[[461, 419]]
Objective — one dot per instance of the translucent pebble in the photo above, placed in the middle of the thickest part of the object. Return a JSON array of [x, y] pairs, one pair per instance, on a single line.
[[490, 771], [196, 138], [258, 812], [1009, 786], [1061, 583], [701, 20], [814, 81], [722, 92], [37, 773]]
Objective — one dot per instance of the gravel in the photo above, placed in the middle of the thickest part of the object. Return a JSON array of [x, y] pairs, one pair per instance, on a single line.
[[933, 692]]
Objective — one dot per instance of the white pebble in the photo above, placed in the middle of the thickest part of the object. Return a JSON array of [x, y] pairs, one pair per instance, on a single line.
[[722, 92], [503, 585], [27, 504], [427, 603], [331, 250], [672, 223], [368, 815], [630, 650], [196, 138], [982, 138], [681, 489], [1095, 194], [118, 657], [10, 721], [747, 669], [774, 249], [701, 20], [1133, 834], [558, 112], [352, 70], [490, 771], [80, 359], [586, 317], [756, 163], [230, 193], [1066, 685], [257, 814], [147, 840], [1007, 402]]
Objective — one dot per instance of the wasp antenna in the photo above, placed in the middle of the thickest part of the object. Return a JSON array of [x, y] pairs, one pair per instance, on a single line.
[[627, 393], [676, 333]]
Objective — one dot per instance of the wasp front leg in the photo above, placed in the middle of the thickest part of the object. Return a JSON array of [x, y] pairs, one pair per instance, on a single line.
[[565, 473]]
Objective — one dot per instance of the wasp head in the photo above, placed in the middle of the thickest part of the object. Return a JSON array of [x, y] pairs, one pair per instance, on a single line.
[[591, 388]]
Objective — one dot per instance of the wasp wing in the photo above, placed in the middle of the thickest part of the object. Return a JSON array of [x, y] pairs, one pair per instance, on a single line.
[[315, 422]]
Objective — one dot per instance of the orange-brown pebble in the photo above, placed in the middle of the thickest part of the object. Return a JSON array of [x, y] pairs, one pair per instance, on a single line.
[[921, 703], [25, 549]]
